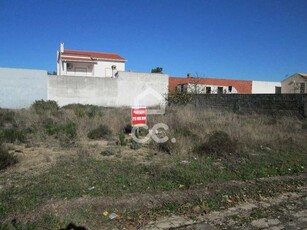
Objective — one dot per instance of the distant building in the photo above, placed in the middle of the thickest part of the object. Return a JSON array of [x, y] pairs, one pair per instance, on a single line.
[[209, 85], [88, 63], [205, 89], [266, 87], [222, 86], [295, 83]]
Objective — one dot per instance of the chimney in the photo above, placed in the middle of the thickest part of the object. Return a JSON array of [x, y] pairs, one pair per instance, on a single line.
[[189, 75], [62, 47]]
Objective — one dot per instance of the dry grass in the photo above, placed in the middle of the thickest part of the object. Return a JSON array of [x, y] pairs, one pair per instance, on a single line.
[[251, 131], [55, 165], [190, 126]]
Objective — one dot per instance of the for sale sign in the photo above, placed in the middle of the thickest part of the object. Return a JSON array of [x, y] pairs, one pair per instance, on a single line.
[[138, 116]]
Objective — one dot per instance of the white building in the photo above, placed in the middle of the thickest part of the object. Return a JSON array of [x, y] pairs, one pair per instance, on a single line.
[[206, 89], [266, 87], [88, 63], [296, 83]]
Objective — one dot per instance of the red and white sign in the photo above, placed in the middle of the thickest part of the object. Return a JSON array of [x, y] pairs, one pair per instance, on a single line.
[[138, 116]]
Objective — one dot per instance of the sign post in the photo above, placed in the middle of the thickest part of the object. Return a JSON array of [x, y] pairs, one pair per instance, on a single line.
[[138, 116]]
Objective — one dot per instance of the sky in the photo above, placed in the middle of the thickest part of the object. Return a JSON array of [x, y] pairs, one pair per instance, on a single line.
[[234, 39]]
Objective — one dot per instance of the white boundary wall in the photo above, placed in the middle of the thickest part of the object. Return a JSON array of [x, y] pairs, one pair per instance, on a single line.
[[19, 88], [122, 90]]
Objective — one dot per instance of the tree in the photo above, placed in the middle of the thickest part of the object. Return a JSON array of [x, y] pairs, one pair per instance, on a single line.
[[52, 73], [157, 70]]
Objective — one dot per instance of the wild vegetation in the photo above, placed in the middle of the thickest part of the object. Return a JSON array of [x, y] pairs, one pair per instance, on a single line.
[[49, 155]]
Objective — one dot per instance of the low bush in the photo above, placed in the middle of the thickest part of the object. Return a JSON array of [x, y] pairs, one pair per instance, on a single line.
[[41, 107], [219, 144], [12, 135], [6, 158], [165, 147], [122, 139], [7, 118], [179, 98], [102, 132], [108, 152], [84, 110], [134, 145], [185, 132], [69, 129]]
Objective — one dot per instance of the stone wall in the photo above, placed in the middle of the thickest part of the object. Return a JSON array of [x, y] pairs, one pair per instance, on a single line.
[[276, 104]]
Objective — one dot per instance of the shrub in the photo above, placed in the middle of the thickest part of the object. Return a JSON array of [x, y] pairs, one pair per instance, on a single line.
[[7, 118], [42, 106], [69, 129], [84, 110], [11, 135], [6, 158], [102, 132], [110, 150], [219, 144], [179, 98], [185, 132], [165, 147], [122, 139], [134, 145]]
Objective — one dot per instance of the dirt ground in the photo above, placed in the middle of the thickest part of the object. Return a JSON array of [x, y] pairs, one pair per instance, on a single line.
[[285, 211], [288, 210]]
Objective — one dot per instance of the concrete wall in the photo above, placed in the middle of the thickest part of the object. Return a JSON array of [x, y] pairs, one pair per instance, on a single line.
[[120, 91], [19, 88], [273, 104], [266, 87]]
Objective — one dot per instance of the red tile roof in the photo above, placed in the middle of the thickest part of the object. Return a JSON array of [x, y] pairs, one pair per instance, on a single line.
[[77, 58], [92, 55], [242, 86]]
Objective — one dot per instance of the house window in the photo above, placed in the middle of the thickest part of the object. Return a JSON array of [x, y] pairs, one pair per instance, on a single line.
[[302, 88], [220, 90], [69, 66], [230, 89], [208, 90], [180, 88], [277, 90]]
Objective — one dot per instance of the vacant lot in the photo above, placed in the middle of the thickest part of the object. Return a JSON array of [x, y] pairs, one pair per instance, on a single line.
[[78, 164]]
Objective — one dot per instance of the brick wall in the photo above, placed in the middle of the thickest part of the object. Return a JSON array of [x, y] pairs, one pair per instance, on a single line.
[[276, 104]]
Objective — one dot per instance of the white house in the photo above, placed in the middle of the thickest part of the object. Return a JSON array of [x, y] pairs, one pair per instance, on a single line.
[[206, 89], [88, 63]]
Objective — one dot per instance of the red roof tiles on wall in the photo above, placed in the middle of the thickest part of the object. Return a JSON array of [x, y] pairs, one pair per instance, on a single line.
[[242, 86]]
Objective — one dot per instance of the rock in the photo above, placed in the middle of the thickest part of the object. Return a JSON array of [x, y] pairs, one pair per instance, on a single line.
[[272, 222], [197, 209], [260, 223]]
